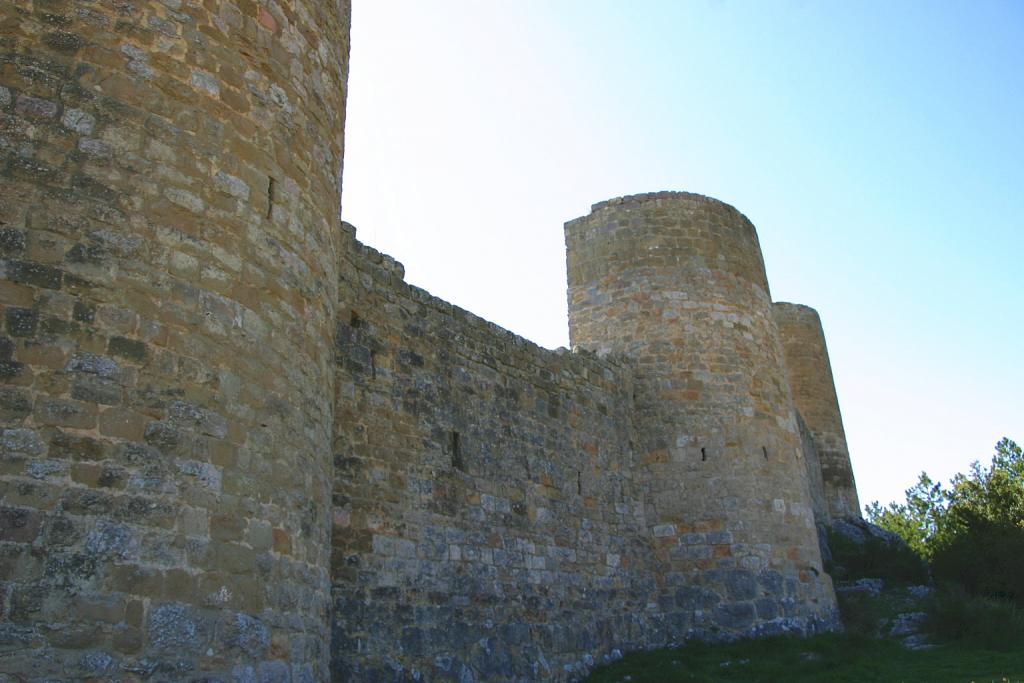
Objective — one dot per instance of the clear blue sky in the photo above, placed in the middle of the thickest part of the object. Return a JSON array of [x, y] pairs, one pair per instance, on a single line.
[[877, 146]]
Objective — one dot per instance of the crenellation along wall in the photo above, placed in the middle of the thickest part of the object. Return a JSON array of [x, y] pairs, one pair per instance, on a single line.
[[517, 549]]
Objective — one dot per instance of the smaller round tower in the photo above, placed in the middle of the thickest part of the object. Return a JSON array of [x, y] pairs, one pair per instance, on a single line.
[[676, 283], [814, 393]]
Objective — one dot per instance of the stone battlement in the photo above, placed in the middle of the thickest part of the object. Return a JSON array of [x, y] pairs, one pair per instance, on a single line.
[[236, 445], [644, 197]]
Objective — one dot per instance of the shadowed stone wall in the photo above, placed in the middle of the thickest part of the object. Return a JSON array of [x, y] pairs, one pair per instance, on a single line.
[[675, 282], [814, 392], [488, 525], [168, 224], [812, 464]]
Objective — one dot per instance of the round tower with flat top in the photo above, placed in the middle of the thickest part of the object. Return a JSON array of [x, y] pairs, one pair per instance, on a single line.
[[814, 393], [676, 283]]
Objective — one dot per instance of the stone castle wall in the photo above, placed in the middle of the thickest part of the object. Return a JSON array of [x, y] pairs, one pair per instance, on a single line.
[[812, 463], [488, 522], [237, 446], [168, 220]]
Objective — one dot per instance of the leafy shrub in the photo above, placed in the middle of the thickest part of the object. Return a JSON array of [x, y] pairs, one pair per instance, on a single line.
[[861, 614], [873, 558], [985, 558], [954, 616]]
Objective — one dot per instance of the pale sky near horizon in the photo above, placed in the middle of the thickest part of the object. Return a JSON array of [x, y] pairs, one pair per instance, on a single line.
[[878, 148]]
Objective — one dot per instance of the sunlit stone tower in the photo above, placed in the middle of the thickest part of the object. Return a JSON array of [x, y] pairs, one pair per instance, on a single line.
[[814, 393], [676, 283], [169, 224]]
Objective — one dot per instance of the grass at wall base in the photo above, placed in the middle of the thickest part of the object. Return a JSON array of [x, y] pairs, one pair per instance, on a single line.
[[834, 657], [970, 537], [973, 640]]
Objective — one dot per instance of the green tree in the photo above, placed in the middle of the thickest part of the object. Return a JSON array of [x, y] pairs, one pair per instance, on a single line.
[[983, 547], [971, 533], [995, 494], [917, 521]]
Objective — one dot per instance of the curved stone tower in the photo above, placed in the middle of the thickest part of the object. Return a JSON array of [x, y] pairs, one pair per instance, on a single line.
[[814, 393], [676, 282], [169, 230]]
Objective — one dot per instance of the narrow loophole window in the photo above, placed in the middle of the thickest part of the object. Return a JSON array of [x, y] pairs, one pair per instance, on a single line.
[[373, 365], [271, 191], [455, 448], [354, 320], [703, 454], [579, 482], [764, 449]]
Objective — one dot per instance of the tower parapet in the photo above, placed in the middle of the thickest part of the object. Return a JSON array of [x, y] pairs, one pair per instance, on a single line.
[[676, 282], [814, 393]]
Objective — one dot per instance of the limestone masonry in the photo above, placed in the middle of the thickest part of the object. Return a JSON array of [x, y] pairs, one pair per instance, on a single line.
[[237, 446]]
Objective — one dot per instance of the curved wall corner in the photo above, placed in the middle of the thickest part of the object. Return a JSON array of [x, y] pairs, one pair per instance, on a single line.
[[169, 222], [814, 393]]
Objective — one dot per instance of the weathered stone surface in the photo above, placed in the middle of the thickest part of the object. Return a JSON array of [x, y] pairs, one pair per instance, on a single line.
[[814, 394], [677, 282], [143, 481], [482, 484], [19, 525]]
